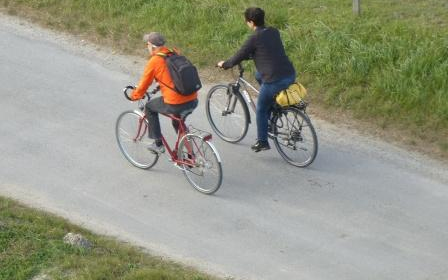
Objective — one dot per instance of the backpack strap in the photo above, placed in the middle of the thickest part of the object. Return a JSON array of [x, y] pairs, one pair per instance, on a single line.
[[167, 86], [164, 55], [161, 54]]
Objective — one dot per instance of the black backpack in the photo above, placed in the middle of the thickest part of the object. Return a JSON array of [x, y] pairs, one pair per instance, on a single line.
[[183, 73]]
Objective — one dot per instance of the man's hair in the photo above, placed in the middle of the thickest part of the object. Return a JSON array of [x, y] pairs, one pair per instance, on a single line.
[[255, 14]]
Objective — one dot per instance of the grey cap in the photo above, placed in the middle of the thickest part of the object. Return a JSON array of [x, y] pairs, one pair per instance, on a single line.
[[154, 38]]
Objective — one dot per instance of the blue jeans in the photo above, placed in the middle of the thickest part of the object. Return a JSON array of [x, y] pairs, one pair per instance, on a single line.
[[266, 100]]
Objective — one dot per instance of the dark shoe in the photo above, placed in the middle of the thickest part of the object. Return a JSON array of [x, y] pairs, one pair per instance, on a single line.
[[260, 146]]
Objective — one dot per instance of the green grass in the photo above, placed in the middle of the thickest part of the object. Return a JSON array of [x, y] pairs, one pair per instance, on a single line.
[[31, 243], [388, 66]]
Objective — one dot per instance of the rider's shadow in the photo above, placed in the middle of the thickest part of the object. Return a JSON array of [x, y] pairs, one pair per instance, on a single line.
[[248, 174]]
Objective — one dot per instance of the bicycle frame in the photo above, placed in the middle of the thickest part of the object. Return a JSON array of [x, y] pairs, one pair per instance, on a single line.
[[244, 84], [182, 132], [247, 97]]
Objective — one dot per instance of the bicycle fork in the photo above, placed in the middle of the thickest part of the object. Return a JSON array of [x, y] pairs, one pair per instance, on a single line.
[[231, 101], [140, 134]]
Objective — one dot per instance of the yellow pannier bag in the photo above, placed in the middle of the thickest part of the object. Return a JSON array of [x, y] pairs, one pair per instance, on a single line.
[[292, 95]]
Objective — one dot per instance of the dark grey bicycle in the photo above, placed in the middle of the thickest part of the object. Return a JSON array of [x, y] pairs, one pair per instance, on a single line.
[[290, 127]]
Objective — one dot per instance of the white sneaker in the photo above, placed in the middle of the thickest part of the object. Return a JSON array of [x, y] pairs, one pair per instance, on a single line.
[[156, 149]]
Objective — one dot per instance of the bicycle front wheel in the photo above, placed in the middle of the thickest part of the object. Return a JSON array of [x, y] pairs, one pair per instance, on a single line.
[[295, 137], [227, 114], [201, 163], [130, 130]]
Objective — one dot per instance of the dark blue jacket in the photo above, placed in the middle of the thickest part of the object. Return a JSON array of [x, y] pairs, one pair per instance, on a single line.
[[265, 47]]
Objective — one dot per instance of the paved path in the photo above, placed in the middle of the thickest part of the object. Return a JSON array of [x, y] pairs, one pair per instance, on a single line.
[[363, 210]]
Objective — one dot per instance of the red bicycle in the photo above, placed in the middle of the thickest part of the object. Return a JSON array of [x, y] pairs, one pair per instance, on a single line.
[[192, 153]]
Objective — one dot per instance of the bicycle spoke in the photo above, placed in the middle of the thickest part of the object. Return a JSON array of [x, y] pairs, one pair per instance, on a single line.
[[295, 139], [124, 132], [128, 140], [227, 114], [230, 116], [132, 145], [205, 174]]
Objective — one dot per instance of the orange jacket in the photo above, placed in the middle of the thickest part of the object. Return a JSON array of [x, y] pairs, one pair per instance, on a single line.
[[156, 68]]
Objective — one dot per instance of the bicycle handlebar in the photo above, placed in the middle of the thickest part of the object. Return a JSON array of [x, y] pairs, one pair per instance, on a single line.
[[125, 91], [240, 69], [152, 92]]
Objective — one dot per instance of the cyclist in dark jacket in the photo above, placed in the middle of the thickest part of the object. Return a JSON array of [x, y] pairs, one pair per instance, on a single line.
[[275, 71]]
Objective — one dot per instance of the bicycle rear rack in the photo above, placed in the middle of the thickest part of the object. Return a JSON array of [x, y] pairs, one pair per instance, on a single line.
[[206, 136]]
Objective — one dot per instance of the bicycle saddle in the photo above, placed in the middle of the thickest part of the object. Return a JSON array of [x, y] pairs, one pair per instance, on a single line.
[[184, 114]]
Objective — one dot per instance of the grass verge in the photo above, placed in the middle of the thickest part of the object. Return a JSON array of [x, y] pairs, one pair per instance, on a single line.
[[31, 244], [388, 67]]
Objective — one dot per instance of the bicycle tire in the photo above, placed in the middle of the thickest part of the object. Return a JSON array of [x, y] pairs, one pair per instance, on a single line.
[[231, 126], [133, 146], [205, 161], [296, 139]]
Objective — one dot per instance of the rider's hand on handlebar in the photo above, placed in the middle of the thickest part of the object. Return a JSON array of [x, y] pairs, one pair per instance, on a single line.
[[133, 96], [219, 64], [130, 95]]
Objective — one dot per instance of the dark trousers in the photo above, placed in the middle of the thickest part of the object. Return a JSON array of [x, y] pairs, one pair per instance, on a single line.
[[156, 106], [266, 100]]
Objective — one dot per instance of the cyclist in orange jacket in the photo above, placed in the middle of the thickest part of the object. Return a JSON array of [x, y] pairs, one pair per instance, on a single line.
[[170, 102]]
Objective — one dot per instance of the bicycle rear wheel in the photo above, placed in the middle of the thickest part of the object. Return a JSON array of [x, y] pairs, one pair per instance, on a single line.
[[202, 166], [130, 130], [295, 137], [227, 114]]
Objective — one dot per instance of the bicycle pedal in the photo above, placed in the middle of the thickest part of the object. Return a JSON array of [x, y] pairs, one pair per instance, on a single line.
[[178, 166]]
